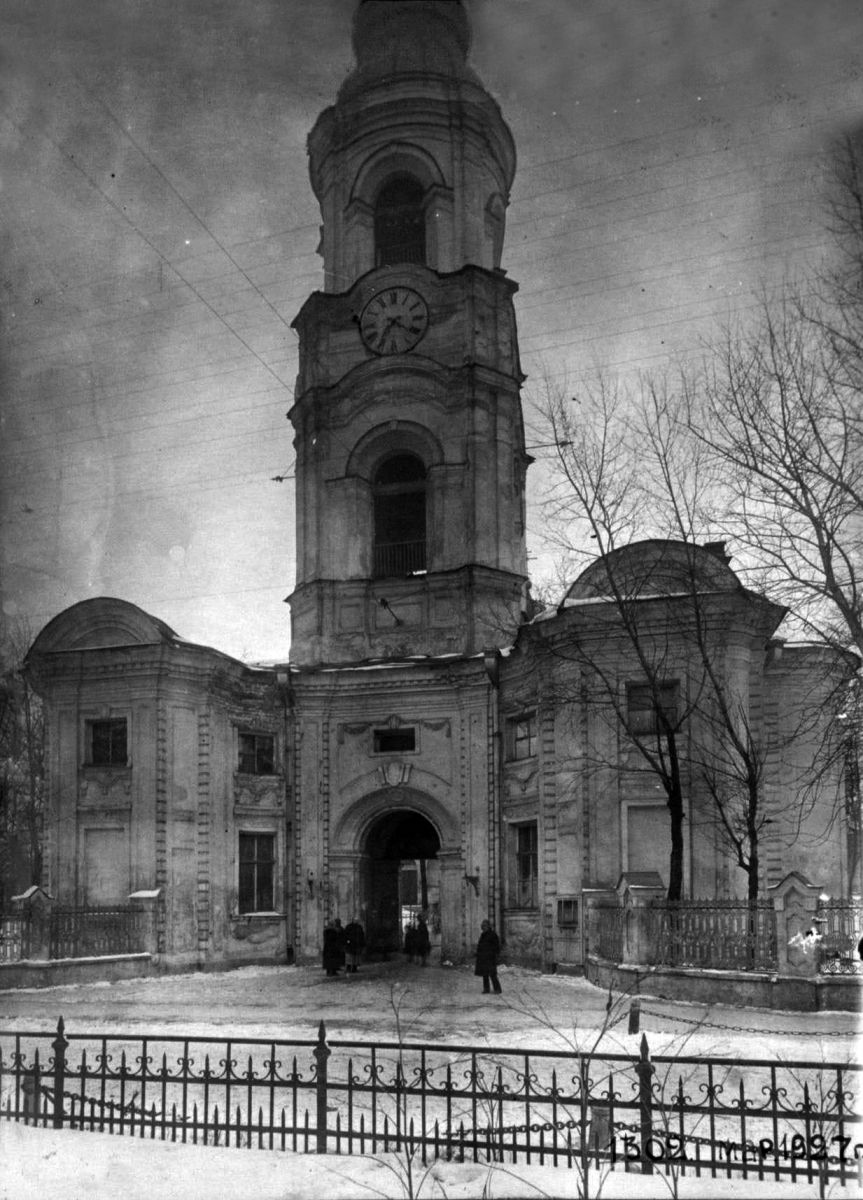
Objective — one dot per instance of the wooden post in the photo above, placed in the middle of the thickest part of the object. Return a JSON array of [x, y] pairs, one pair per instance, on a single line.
[[635, 1016], [322, 1053]]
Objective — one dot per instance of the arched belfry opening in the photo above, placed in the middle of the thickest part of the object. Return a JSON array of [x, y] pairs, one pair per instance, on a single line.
[[399, 491], [402, 879], [400, 223]]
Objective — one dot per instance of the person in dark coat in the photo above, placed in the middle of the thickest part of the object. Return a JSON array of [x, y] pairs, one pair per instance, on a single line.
[[422, 941], [410, 941], [355, 940], [340, 943], [334, 953], [487, 954]]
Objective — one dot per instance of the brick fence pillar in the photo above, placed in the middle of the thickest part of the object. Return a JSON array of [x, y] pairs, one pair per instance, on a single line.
[[35, 906], [147, 903], [637, 889]]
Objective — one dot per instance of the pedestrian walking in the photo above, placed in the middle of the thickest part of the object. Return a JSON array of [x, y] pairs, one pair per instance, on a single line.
[[422, 941], [355, 940], [487, 954]]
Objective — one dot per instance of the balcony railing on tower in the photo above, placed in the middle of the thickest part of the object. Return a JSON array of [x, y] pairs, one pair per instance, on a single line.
[[399, 558]]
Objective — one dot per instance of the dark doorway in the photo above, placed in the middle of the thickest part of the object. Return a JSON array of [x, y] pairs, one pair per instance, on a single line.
[[402, 879]]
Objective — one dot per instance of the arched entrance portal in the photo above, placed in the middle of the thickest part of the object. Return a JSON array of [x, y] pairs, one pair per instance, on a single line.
[[401, 879]]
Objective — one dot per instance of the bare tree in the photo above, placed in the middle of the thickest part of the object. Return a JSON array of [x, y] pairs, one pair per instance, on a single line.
[[21, 773], [628, 468], [836, 306], [778, 409], [788, 439]]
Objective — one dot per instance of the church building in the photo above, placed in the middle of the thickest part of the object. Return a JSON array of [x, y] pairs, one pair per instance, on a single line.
[[432, 744]]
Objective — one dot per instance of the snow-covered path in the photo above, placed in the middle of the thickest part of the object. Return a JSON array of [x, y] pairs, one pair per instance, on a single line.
[[435, 1004]]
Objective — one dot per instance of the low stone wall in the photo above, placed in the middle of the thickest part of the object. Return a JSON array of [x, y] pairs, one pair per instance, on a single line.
[[35, 973], [839, 993]]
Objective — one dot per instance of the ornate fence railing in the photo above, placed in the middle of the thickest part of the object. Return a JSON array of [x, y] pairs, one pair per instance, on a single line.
[[720, 934], [75, 932], [14, 937], [840, 924], [762, 1119], [606, 933], [95, 931]]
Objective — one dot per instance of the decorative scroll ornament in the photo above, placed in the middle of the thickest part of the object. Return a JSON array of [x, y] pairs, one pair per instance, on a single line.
[[98, 787]]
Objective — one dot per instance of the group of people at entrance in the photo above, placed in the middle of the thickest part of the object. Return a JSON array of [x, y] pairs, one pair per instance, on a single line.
[[343, 946], [417, 941]]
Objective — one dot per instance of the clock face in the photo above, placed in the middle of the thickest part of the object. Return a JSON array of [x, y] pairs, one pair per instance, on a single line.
[[394, 320]]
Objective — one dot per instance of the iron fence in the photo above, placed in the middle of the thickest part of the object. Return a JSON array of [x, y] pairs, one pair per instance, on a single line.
[[14, 937], [607, 929], [78, 932], [840, 923], [680, 1114], [399, 558], [731, 935], [73, 932]]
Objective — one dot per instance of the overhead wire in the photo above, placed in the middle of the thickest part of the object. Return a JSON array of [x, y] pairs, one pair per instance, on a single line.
[[221, 317]]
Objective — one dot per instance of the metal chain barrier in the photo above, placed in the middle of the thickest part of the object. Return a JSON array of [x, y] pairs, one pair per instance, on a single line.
[[848, 1033]]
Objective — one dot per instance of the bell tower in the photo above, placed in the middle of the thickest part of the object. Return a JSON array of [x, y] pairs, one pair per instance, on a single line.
[[410, 457]]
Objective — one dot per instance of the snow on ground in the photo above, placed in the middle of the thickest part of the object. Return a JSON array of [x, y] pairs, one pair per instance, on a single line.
[[435, 1004], [384, 1001], [62, 1165]]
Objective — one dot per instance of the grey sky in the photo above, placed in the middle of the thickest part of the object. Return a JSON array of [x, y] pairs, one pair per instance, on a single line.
[[159, 236]]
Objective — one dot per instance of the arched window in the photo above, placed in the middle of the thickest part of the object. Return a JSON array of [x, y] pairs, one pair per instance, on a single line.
[[400, 224], [399, 491]]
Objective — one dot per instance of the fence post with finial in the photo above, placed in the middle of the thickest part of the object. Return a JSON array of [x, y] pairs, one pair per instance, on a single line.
[[645, 1069], [322, 1053], [59, 1047]]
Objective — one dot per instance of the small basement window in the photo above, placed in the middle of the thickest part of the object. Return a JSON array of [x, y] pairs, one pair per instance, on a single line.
[[567, 911], [394, 741]]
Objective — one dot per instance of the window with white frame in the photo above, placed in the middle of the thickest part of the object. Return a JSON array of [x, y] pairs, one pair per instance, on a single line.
[[521, 736], [257, 872]]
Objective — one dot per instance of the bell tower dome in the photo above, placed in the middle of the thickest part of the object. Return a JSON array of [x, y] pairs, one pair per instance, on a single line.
[[408, 428]]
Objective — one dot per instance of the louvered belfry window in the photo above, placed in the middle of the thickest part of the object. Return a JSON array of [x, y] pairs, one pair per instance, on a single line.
[[400, 224], [400, 517]]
